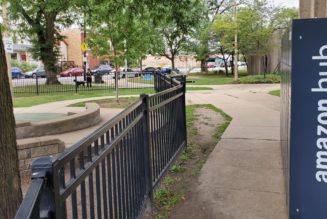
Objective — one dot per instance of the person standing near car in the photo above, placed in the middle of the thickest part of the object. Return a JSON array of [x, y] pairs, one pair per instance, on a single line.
[[88, 78]]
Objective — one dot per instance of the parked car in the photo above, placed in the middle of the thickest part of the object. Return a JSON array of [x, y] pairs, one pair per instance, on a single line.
[[149, 69], [242, 66], [211, 65], [122, 73], [72, 72], [102, 69], [165, 70], [16, 73], [39, 72], [221, 68]]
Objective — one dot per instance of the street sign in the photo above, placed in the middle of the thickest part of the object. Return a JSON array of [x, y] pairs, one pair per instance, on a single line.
[[84, 47], [308, 142], [9, 45]]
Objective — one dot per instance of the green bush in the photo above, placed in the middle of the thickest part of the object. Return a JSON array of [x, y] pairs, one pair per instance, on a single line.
[[24, 66], [258, 79]]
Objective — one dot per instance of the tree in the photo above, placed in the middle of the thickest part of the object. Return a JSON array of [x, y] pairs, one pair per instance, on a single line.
[[256, 23], [120, 31], [206, 37], [177, 26], [40, 21], [10, 190]]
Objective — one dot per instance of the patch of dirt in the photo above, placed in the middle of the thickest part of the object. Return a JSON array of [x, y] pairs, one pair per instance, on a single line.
[[200, 146], [113, 103], [206, 124]]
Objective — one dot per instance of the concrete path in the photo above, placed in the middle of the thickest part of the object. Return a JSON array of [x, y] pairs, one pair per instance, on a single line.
[[243, 177]]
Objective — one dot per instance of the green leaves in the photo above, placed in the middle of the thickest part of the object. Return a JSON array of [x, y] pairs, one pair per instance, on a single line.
[[255, 25], [40, 21], [120, 30]]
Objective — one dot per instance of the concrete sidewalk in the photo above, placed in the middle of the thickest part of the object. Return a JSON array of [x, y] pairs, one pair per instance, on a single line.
[[243, 177]]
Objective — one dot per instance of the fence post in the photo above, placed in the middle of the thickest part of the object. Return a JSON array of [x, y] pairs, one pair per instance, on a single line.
[[41, 168], [184, 107], [37, 85], [155, 82], [147, 147], [76, 84]]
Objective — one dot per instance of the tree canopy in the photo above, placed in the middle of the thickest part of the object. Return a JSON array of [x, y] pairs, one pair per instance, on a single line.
[[41, 21], [177, 27], [255, 25]]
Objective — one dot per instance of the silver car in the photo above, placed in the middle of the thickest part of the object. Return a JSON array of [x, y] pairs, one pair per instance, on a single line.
[[38, 72]]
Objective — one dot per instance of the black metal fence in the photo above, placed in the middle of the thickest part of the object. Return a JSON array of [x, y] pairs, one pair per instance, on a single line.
[[35, 85], [112, 172]]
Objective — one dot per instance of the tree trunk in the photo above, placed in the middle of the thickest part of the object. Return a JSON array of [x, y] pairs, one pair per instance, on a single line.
[[204, 67], [141, 65], [232, 63], [225, 60], [172, 61], [10, 190], [48, 55]]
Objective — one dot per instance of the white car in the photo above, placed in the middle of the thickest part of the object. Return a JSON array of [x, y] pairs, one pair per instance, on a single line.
[[242, 66], [221, 68]]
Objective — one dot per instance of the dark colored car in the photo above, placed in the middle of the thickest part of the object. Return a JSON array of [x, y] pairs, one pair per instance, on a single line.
[[102, 69], [16, 73], [150, 69], [39, 72], [165, 70], [72, 72], [169, 70], [122, 73]]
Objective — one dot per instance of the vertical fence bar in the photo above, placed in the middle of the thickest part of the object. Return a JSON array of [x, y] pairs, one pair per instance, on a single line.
[[83, 194], [146, 144], [76, 86], [73, 198], [184, 108], [37, 85]]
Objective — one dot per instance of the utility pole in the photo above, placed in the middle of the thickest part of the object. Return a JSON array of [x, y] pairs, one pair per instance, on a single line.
[[6, 35], [235, 44]]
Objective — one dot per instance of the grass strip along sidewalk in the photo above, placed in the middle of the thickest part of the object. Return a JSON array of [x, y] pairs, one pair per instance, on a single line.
[[175, 195], [219, 79]]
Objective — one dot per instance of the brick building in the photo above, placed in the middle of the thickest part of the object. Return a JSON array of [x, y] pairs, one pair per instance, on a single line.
[[73, 41]]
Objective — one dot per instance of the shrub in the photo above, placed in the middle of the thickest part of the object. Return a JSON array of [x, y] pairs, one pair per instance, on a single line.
[[257, 79], [24, 66]]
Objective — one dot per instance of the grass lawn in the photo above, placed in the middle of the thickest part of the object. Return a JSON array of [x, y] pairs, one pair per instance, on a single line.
[[218, 79], [25, 100], [21, 101], [275, 93], [42, 88]]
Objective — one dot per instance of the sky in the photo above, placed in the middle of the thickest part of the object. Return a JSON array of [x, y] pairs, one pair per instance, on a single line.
[[287, 3]]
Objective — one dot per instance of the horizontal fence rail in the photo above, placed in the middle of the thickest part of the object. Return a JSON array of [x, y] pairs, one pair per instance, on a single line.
[[112, 172], [36, 85]]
